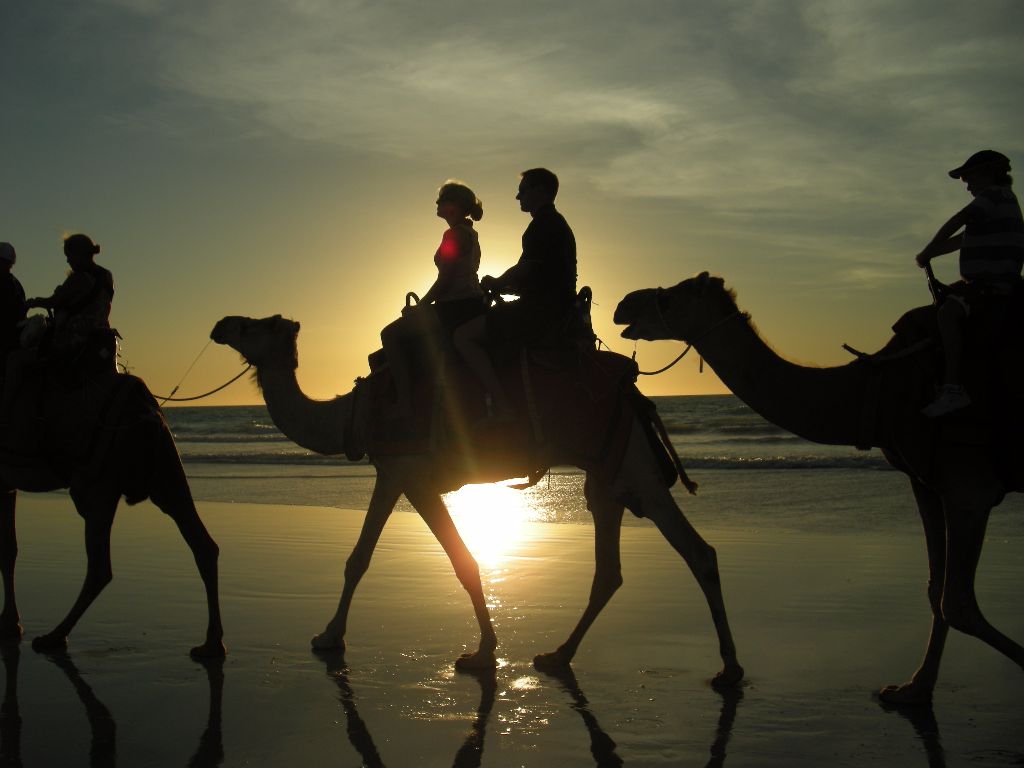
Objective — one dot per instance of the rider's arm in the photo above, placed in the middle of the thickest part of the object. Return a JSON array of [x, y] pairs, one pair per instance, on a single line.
[[75, 287], [949, 238], [513, 277]]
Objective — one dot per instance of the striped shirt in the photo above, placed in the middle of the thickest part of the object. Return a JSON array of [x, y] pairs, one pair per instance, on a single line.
[[993, 243]]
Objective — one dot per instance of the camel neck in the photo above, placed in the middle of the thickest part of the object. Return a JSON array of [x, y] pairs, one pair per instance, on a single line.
[[819, 404], [317, 425]]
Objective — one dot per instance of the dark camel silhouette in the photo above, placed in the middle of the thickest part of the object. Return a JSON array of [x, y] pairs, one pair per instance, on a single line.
[[955, 483], [332, 426], [130, 453]]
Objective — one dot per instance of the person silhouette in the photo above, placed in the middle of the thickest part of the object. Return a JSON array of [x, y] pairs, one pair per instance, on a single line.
[[12, 300], [455, 295], [544, 279], [81, 304], [989, 234]]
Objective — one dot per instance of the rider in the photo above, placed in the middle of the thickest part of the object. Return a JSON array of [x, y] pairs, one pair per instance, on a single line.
[[12, 301], [81, 304], [989, 233], [455, 296], [544, 278]]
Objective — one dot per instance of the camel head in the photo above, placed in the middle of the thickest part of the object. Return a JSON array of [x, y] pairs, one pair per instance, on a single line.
[[266, 343], [684, 311]]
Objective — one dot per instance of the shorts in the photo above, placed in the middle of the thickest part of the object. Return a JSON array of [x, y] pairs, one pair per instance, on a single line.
[[975, 295]]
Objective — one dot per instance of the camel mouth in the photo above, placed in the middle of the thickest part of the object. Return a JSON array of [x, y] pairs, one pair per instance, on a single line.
[[225, 330], [633, 312]]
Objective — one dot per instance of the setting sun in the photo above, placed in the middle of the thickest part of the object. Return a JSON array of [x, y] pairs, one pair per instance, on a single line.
[[491, 519]]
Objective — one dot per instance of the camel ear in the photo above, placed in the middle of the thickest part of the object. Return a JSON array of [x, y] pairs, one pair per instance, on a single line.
[[701, 281]]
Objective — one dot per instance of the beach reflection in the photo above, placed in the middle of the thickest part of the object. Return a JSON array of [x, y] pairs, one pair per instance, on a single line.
[[102, 727], [491, 519], [468, 755], [514, 695]]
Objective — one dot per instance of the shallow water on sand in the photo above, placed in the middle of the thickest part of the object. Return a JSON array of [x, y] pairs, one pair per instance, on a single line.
[[821, 619]]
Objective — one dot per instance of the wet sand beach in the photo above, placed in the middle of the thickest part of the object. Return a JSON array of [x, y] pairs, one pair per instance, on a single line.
[[822, 618]]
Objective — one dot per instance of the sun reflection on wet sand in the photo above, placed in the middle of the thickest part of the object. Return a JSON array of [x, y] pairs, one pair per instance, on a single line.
[[491, 519]]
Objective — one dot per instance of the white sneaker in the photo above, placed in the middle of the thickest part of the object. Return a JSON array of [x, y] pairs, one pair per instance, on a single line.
[[953, 397]]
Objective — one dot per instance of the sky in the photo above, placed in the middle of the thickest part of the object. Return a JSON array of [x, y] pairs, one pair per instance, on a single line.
[[258, 157]]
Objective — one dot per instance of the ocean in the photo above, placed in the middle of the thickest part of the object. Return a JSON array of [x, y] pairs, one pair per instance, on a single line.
[[751, 472]]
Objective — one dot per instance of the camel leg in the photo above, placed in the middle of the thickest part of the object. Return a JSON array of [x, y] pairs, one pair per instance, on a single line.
[[965, 535], [918, 690], [435, 514], [607, 514], [98, 513], [179, 506], [702, 560], [10, 620], [385, 495]]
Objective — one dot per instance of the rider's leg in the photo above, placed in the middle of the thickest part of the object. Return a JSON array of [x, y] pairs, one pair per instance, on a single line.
[[469, 340]]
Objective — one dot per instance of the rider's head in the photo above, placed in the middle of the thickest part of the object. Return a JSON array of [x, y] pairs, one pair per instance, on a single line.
[[984, 169], [79, 250], [537, 187], [7, 256], [462, 197]]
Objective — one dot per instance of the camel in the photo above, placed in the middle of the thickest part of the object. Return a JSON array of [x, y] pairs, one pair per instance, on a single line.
[[954, 483], [126, 450], [333, 426]]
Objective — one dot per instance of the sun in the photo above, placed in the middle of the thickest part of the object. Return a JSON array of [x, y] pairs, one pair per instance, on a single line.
[[492, 519]]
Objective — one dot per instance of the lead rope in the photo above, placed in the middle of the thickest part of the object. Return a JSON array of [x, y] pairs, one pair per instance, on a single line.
[[689, 346], [171, 397]]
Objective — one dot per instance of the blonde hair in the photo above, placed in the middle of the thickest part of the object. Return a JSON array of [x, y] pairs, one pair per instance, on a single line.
[[462, 196]]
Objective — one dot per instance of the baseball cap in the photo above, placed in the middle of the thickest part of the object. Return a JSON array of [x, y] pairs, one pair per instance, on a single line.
[[978, 159]]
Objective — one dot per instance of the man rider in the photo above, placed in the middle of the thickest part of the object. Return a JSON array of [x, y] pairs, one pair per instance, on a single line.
[[544, 279]]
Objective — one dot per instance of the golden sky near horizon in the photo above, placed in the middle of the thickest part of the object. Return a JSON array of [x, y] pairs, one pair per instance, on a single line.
[[267, 157]]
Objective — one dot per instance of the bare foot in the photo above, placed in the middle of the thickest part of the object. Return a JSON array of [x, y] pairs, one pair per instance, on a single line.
[[52, 642], [328, 641], [553, 662], [474, 662], [729, 677], [907, 694], [211, 649]]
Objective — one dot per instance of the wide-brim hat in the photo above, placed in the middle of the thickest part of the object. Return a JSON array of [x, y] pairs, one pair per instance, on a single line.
[[997, 160]]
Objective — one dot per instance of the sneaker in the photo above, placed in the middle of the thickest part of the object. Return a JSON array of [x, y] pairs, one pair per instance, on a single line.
[[951, 398]]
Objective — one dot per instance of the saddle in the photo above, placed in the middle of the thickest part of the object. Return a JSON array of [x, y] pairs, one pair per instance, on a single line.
[[56, 430], [993, 374], [574, 404]]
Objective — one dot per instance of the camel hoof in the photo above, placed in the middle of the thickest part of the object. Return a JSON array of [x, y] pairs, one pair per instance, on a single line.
[[326, 641], [905, 695], [50, 643], [729, 677], [551, 662], [475, 662], [211, 649]]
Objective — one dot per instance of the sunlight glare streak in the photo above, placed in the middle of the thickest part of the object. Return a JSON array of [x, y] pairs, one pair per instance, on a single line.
[[491, 519]]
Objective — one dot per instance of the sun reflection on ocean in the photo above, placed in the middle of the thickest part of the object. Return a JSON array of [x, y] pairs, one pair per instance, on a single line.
[[492, 519]]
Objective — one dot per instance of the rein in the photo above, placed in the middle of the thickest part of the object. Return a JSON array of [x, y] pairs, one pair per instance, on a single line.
[[232, 380], [689, 345], [172, 399]]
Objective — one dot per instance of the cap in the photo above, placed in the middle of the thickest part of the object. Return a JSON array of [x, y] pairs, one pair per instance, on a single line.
[[7, 252], [985, 157]]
